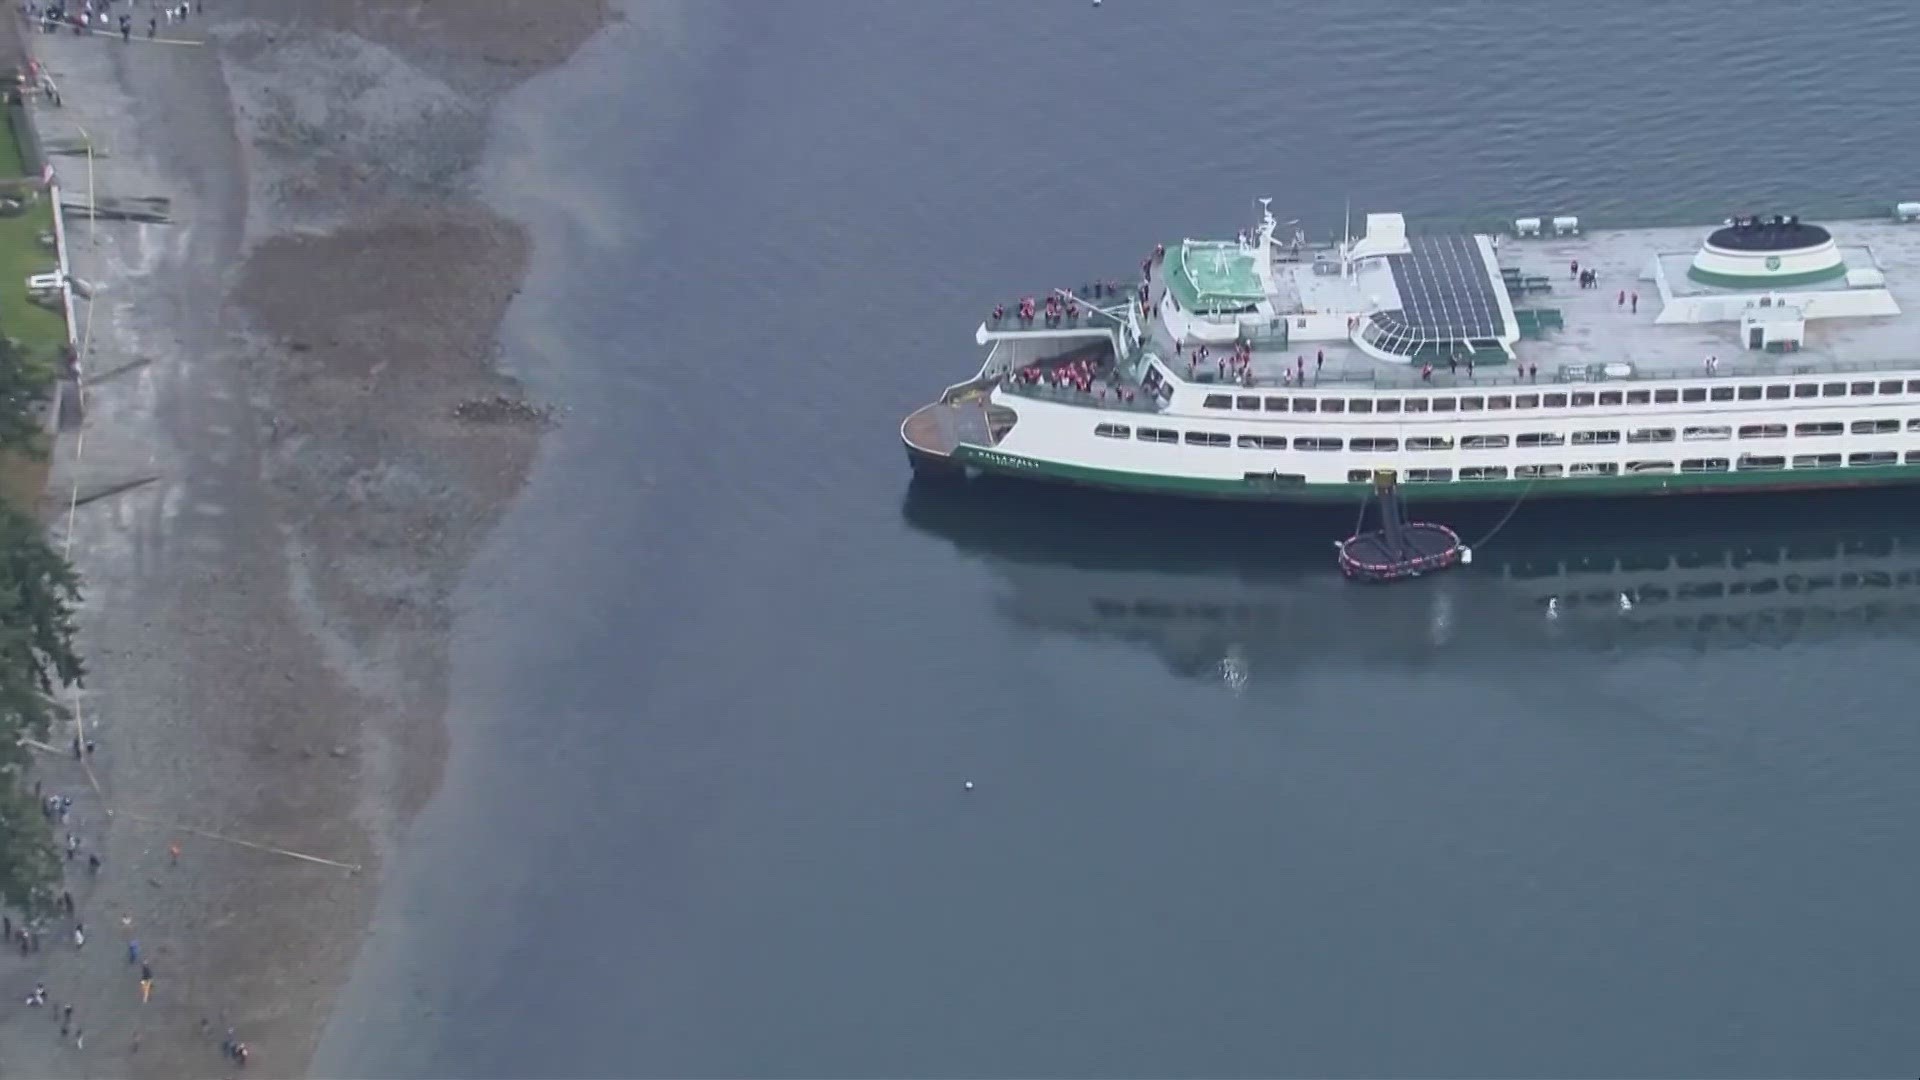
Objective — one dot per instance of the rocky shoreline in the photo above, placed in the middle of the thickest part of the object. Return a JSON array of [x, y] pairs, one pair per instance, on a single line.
[[310, 358]]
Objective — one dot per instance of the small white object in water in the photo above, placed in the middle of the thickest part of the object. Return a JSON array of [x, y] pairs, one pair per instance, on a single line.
[[1466, 555], [1626, 604], [1553, 607], [969, 785]]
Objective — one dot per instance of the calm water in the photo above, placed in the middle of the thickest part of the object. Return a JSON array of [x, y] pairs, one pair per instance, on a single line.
[[721, 676]]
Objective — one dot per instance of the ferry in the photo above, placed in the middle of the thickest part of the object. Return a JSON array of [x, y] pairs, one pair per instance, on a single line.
[[1539, 360]]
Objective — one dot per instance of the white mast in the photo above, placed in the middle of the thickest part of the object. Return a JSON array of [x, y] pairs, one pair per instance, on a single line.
[[1346, 237]]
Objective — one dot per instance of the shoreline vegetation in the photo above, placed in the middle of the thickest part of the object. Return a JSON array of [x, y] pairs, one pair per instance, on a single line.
[[309, 441]]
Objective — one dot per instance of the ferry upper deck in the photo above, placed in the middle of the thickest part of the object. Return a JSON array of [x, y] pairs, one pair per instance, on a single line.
[[1756, 296]]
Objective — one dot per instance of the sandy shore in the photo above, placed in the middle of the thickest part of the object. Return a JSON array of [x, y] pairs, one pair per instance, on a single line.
[[267, 620]]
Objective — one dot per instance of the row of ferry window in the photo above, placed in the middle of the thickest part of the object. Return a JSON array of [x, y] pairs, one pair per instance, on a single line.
[[1698, 433], [1746, 463], [1560, 399]]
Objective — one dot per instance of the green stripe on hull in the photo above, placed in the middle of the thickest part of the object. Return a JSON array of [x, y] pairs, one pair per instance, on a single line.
[[1584, 487], [1765, 281]]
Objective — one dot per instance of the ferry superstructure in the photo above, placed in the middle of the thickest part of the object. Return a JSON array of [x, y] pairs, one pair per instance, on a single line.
[[1764, 354]]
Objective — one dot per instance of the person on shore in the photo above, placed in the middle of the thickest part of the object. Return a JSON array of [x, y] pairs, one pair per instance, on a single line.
[[93, 863], [133, 952], [146, 971], [73, 846], [79, 935], [66, 901], [39, 995], [126, 27], [146, 990], [153, 28], [173, 849], [66, 1015], [8, 920]]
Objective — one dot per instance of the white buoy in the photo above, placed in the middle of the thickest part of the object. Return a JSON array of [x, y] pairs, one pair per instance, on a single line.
[[1626, 603], [1466, 555], [969, 785]]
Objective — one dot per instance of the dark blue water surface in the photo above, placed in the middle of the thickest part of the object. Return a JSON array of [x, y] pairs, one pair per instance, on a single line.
[[721, 675]]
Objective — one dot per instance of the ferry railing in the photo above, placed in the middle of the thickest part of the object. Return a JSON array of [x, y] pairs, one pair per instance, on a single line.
[[1513, 376], [1144, 401]]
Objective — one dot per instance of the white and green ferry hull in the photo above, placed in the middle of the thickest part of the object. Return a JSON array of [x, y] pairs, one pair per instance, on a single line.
[[974, 461]]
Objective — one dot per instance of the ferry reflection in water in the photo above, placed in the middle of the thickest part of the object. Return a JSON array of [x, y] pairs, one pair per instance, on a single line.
[[1225, 593]]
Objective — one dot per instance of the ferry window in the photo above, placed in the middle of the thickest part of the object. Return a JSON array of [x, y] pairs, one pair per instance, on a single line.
[[1472, 404], [1761, 464], [1594, 468], [1435, 442], [1374, 444], [1251, 404], [1499, 401], [1839, 389], [1914, 424], [1429, 476], [1542, 438], [1651, 434], [1316, 444], [1218, 401], [1694, 393], [1610, 397], [1817, 429], [1890, 386], [1913, 386], [1875, 427], [1749, 393], [1483, 442], [1207, 438], [1649, 466], [1862, 389], [1529, 472], [1805, 389], [1391, 404], [1778, 391], [1526, 401], [1764, 431], [1333, 404], [1877, 457], [1711, 464], [1359, 476], [1306, 404], [1554, 401], [1710, 433], [1581, 397], [1666, 397], [1639, 397], [1112, 431], [1416, 404], [1721, 393], [1359, 405], [1595, 438], [1276, 404], [1160, 435], [1816, 461], [1484, 472], [1263, 442], [1444, 404], [1913, 457]]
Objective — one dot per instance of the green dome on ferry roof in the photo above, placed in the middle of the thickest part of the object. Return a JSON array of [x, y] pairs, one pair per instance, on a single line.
[[1767, 253]]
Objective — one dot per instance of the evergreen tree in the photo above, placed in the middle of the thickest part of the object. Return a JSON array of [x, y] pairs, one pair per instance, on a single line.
[[37, 593]]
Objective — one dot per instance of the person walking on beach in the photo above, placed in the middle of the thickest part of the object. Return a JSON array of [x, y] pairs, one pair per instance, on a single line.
[[146, 990], [79, 935], [93, 864], [133, 952], [66, 901]]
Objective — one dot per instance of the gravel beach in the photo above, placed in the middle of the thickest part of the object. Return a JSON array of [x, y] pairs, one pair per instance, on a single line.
[[280, 370]]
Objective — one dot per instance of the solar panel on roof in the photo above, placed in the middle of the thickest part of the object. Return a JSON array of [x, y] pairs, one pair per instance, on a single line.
[[1445, 291]]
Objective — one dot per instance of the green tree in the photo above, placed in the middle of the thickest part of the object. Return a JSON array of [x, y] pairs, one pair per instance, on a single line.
[[38, 591], [25, 384]]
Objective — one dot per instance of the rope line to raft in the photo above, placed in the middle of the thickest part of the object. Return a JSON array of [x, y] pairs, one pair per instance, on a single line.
[[1511, 510]]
